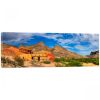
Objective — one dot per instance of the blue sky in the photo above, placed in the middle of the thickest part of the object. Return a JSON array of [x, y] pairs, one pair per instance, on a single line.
[[80, 43]]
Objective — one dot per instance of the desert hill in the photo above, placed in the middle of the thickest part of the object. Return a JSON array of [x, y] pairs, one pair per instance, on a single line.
[[37, 47], [57, 50], [3, 45], [9, 50]]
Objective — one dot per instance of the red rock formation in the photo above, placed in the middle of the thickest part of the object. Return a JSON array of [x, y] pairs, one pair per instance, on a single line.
[[24, 50], [50, 57], [11, 51]]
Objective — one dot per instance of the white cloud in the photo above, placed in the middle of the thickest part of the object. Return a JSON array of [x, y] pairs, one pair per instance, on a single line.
[[80, 47]]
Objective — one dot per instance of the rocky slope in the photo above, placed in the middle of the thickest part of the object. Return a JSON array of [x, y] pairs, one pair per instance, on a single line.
[[59, 51], [3, 45], [8, 50]]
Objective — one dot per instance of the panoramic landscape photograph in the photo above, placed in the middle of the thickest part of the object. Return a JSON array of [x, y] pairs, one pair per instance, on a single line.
[[23, 50]]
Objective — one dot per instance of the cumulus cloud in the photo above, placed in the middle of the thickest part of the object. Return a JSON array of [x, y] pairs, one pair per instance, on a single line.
[[14, 37], [80, 47], [8, 36]]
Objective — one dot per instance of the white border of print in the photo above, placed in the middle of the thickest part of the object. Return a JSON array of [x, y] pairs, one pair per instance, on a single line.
[[69, 16]]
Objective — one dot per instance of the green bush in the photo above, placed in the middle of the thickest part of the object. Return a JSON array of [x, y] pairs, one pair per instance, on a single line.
[[46, 62], [96, 61], [19, 61], [7, 62], [3, 59], [57, 60], [76, 62], [89, 60], [73, 63], [62, 59]]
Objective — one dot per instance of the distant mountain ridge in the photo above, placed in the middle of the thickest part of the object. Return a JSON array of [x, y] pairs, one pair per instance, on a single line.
[[57, 51]]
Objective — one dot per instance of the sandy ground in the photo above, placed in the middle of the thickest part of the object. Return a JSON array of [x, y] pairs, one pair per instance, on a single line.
[[29, 64], [89, 64]]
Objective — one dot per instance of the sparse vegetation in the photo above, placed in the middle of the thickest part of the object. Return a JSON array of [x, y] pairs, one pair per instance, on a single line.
[[19, 61], [89, 60], [7, 62], [46, 62], [3, 60], [75, 62], [59, 65], [57, 60]]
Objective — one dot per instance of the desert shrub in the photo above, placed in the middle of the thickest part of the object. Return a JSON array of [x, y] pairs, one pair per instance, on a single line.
[[7, 62], [57, 60], [3, 59], [76, 62], [73, 63], [19, 61], [89, 60], [59, 65], [96, 61], [62, 59], [46, 62]]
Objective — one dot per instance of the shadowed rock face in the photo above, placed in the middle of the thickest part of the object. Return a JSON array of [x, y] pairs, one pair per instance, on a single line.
[[94, 54]]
